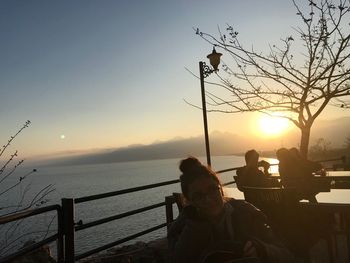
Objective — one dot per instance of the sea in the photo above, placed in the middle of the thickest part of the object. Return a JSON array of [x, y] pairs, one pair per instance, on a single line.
[[85, 180]]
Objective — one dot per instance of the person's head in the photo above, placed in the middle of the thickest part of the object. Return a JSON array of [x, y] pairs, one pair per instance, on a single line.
[[201, 187], [251, 157], [294, 152], [282, 154]]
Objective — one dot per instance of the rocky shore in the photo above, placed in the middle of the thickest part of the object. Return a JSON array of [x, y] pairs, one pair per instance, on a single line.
[[152, 252]]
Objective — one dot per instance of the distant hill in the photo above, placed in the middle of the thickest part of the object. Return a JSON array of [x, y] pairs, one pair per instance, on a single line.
[[221, 143], [334, 131]]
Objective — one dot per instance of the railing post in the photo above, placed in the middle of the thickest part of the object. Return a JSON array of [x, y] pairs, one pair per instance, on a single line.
[[68, 228], [169, 200], [60, 242]]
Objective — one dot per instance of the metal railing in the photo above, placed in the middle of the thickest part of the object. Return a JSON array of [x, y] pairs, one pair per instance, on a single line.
[[67, 225], [70, 254], [57, 236], [81, 226]]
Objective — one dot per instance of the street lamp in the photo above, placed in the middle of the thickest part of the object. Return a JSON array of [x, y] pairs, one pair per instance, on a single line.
[[205, 71]]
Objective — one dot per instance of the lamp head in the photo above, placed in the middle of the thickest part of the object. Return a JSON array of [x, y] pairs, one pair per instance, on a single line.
[[214, 59]]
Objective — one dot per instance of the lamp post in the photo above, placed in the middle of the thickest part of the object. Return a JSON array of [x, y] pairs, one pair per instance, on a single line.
[[205, 71]]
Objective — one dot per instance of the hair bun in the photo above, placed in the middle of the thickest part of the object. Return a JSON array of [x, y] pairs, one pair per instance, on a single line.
[[190, 164]]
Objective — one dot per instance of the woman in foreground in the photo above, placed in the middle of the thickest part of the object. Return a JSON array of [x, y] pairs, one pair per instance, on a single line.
[[213, 229]]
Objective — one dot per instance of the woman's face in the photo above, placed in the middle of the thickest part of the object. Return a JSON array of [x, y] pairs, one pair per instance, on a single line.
[[205, 195]]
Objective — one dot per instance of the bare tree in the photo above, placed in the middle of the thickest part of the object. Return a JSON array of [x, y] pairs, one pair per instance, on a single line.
[[8, 169], [14, 199], [308, 71], [321, 147]]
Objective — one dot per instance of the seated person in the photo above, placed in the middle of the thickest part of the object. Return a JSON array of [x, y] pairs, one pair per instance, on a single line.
[[297, 172], [286, 166], [214, 229], [307, 168], [251, 175]]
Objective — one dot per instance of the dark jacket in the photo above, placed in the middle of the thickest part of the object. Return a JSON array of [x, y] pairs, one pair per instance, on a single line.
[[191, 237], [250, 176]]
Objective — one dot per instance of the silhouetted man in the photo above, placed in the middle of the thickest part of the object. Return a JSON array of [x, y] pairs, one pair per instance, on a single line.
[[251, 175]]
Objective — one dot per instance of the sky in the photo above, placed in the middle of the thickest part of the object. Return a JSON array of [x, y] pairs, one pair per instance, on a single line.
[[106, 74]]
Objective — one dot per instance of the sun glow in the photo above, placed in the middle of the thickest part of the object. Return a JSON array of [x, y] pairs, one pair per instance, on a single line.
[[272, 125]]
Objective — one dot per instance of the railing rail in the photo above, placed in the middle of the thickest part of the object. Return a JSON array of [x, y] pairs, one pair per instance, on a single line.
[[124, 191], [120, 241], [119, 216]]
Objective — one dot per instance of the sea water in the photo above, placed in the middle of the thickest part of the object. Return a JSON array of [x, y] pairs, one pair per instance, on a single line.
[[85, 180]]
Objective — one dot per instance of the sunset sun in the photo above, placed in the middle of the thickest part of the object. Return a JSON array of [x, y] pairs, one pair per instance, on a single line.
[[272, 126]]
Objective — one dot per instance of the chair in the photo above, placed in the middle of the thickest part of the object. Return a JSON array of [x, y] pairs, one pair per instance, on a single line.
[[267, 198], [180, 202]]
